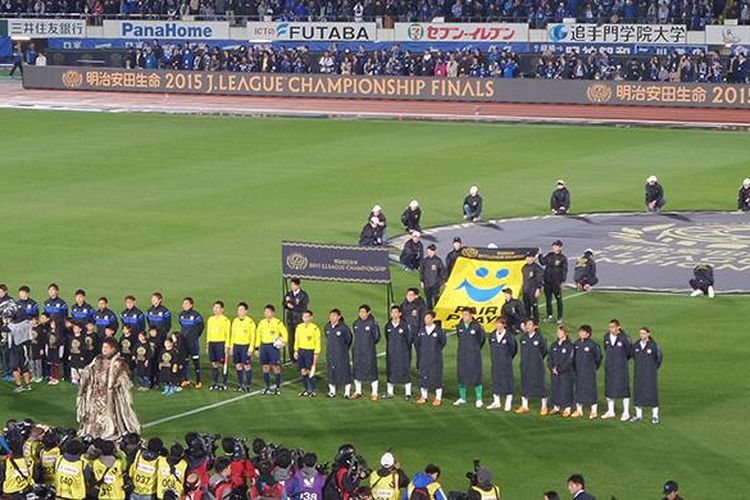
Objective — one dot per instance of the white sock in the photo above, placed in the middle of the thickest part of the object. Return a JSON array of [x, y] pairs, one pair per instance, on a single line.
[[595, 408], [711, 292], [610, 405], [579, 408], [508, 402], [331, 389], [524, 402], [374, 388], [555, 408], [626, 406], [389, 389], [655, 412], [495, 399], [439, 394], [407, 389], [423, 392], [544, 403], [567, 408], [638, 412], [357, 387]]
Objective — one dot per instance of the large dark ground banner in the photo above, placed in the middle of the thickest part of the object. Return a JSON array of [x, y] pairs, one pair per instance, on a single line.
[[331, 262], [698, 95], [633, 251]]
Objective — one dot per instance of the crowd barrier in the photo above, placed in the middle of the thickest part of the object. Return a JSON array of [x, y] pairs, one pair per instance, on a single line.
[[390, 87], [386, 87]]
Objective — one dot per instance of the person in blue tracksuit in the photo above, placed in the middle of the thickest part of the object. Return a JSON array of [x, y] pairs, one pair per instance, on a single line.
[[133, 317], [191, 329], [104, 318], [158, 316], [81, 312], [425, 485]]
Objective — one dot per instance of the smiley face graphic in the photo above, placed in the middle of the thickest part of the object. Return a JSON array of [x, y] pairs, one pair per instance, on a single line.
[[479, 293]]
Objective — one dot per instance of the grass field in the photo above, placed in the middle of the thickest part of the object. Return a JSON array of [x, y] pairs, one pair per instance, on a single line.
[[121, 204]]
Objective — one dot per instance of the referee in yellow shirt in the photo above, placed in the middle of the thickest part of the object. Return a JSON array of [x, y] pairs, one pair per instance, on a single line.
[[242, 344], [271, 337], [306, 351], [218, 329]]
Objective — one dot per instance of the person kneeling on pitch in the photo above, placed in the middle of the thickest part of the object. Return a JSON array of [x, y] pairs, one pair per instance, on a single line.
[[559, 202], [647, 359], [702, 281], [743, 196], [654, 195], [472, 206], [503, 349], [306, 352], [271, 336], [584, 273]]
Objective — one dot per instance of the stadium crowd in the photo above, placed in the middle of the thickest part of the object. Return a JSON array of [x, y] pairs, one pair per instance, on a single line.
[[41, 462], [495, 63], [694, 13]]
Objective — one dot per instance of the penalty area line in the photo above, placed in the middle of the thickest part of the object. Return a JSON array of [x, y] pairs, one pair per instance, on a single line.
[[235, 399]]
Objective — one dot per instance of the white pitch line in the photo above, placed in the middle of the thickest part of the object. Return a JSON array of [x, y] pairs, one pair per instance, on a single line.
[[219, 404]]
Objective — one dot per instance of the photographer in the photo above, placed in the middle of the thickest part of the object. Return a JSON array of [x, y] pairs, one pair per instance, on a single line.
[[220, 485], [387, 482], [242, 468], [109, 474], [143, 470], [425, 485], [17, 475], [348, 472], [200, 456], [482, 487], [171, 473], [308, 482]]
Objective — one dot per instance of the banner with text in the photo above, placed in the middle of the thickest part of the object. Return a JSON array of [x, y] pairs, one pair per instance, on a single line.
[[727, 35], [167, 30], [45, 28], [327, 262], [699, 95], [461, 32], [642, 34], [478, 279], [300, 32]]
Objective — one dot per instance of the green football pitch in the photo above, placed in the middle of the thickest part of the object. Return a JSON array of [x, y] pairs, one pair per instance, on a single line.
[[190, 205]]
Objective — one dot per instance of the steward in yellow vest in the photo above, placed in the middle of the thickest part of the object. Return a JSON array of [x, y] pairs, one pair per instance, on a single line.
[[17, 474], [484, 489], [109, 474], [389, 480], [144, 466], [72, 476], [171, 472], [48, 455]]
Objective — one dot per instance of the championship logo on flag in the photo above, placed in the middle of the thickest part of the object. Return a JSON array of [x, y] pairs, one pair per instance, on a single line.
[[478, 279]]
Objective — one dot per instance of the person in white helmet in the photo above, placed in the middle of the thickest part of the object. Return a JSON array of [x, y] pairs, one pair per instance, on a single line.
[[371, 234], [411, 217], [472, 205], [377, 211], [743, 197], [654, 195]]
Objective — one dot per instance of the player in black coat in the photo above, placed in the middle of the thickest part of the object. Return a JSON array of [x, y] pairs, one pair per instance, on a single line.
[[587, 360], [412, 253], [503, 349], [533, 352], [743, 196], [559, 202], [654, 195], [432, 276], [647, 359], [584, 273], [702, 281], [470, 335], [411, 217], [555, 273], [413, 309], [618, 349], [431, 341], [366, 333], [560, 364], [338, 344], [399, 339], [296, 302]]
